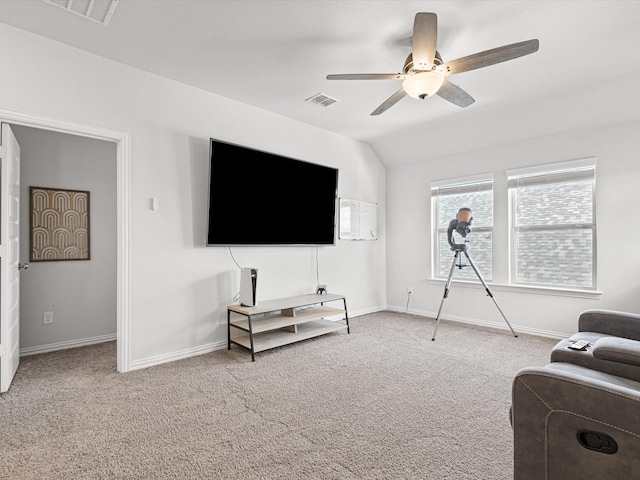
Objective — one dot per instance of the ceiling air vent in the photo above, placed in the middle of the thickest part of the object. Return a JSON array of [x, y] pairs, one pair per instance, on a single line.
[[322, 100], [99, 11]]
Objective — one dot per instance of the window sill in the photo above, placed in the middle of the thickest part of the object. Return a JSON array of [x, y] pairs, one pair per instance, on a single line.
[[536, 290]]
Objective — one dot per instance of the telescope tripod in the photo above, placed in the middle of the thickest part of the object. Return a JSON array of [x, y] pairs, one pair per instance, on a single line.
[[462, 248]]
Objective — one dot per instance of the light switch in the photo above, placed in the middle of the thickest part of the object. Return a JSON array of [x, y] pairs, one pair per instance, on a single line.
[[155, 205]]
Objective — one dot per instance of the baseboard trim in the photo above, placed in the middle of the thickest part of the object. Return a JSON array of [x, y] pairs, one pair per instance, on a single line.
[[179, 355], [211, 347], [53, 347], [474, 321], [366, 311]]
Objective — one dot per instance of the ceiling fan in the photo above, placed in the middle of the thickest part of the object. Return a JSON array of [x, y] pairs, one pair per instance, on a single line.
[[424, 71]]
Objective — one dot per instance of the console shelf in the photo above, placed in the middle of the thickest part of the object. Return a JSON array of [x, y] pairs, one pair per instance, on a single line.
[[274, 323]]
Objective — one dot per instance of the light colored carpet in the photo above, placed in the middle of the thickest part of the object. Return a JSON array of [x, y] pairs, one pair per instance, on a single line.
[[384, 402]]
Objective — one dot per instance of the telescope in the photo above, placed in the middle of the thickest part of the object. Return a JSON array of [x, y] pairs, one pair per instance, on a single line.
[[460, 224]]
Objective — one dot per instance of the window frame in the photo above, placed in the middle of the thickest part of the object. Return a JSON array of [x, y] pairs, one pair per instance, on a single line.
[[582, 169]]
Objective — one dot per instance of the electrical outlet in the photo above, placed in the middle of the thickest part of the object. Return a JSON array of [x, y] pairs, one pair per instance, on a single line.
[[410, 290], [47, 318]]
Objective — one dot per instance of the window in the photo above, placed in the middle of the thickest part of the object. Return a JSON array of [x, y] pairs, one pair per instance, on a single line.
[[553, 225], [446, 199]]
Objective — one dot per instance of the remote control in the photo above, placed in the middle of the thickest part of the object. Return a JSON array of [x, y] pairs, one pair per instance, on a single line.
[[579, 345]]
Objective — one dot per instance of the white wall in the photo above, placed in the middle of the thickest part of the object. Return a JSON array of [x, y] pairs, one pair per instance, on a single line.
[[618, 229], [82, 294], [179, 287]]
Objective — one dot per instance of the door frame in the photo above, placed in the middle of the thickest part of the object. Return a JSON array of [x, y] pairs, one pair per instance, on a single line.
[[123, 195]]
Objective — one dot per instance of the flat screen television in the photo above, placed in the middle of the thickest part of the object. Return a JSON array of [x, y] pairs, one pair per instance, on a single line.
[[258, 198]]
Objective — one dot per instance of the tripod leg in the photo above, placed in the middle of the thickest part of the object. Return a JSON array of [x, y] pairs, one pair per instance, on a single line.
[[446, 293], [486, 287]]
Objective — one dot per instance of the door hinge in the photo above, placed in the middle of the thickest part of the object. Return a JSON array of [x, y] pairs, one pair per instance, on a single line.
[[3, 350], [3, 152]]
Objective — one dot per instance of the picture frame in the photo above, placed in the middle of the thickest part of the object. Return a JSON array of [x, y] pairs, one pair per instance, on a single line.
[[59, 225]]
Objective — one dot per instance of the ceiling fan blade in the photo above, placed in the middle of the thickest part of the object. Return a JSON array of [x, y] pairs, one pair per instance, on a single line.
[[455, 94], [488, 57], [390, 102], [366, 76], [423, 41]]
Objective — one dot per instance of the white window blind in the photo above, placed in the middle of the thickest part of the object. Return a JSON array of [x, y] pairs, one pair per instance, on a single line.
[[553, 229]]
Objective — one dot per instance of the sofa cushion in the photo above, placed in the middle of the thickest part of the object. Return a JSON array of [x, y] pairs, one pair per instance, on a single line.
[[617, 350]]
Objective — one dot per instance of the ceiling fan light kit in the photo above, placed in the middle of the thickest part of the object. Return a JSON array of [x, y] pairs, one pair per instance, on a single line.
[[424, 71], [423, 84]]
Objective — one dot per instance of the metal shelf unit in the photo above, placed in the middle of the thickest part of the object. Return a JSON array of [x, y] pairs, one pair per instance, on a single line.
[[274, 323]]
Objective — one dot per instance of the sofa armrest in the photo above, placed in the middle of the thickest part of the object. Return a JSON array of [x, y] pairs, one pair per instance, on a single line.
[[557, 409], [610, 322]]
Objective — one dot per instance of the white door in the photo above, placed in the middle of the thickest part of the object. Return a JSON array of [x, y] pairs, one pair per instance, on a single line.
[[9, 257]]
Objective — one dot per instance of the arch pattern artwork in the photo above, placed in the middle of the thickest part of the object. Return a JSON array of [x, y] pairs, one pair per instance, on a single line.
[[59, 224]]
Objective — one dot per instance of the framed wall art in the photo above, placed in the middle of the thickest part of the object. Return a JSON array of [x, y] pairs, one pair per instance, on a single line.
[[59, 224]]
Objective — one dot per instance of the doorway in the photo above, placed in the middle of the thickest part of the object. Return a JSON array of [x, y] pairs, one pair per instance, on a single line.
[[123, 155], [67, 298]]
